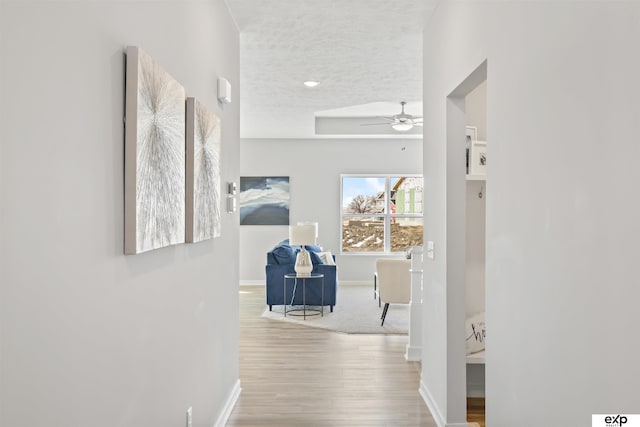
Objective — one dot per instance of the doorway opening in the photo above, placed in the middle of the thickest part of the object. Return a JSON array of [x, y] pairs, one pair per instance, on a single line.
[[466, 201]]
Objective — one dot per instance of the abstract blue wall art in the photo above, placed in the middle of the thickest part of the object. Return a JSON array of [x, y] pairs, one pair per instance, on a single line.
[[264, 200]]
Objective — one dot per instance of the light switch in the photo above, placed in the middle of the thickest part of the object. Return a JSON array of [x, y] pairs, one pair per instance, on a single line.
[[232, 188], [430, 250]]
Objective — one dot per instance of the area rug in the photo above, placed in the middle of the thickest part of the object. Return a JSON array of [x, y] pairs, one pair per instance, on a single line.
[[356, 312]]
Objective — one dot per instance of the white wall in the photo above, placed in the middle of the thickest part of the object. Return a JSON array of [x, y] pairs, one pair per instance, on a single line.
[[90, 336], [562, 228], [476, 110], [1, 140], [314, 168]]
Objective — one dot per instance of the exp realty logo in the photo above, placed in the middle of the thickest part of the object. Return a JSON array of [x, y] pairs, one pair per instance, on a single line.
[[615, 420]]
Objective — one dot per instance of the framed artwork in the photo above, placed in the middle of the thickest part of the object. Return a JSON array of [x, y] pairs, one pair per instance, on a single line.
[[154, 156], [471, 135], [478, 158], [264, 200], [202, 208]]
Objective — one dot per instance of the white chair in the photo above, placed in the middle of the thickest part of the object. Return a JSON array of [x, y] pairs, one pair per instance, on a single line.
[[394, 282]]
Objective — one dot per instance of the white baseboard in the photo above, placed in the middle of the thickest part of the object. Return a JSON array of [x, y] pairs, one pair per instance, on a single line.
[[251, 282], [356, 283], [413, 354], [433, 408], [228, 406], [431, 404]]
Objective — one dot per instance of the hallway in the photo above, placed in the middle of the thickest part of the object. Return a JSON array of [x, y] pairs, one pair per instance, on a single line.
[[293, 375]]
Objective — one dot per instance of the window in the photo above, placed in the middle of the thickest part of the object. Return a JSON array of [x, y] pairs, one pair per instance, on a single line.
[[381, 213]]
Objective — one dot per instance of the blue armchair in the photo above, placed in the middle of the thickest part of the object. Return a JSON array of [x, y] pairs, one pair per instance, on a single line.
[[281, 260]]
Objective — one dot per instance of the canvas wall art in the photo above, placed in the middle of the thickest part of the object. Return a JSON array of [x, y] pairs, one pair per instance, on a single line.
[[264, 200], [154, 156], [203, 173]]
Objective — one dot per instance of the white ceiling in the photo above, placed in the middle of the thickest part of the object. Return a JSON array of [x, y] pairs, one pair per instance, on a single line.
[[367, 55]]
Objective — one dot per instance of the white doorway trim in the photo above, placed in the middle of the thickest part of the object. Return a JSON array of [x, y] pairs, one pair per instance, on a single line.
[[456, 247]]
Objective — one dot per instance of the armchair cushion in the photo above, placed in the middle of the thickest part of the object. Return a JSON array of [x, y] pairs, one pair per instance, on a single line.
[[315, 258], [394, 280], [284, 254]]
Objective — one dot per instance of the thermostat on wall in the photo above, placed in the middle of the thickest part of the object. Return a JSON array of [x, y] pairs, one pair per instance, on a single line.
[[224, 91]]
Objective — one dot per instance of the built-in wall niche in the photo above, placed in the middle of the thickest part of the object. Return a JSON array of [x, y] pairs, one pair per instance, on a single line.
[[475, 205]]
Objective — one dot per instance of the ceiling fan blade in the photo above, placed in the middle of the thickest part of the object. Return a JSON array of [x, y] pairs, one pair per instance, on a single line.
[[374, 124], [391, 119], [418, 124]]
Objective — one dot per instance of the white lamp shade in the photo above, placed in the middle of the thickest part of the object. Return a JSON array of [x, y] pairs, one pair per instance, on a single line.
[[303, 234], [311, 223]]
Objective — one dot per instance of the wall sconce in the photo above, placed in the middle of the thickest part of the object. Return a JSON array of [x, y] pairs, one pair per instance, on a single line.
[[232, 189]]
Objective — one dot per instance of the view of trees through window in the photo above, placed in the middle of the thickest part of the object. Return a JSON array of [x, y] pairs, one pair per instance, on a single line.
[[381, 213]]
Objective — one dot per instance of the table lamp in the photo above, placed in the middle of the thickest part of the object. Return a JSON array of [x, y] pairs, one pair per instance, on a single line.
[[303, 234]]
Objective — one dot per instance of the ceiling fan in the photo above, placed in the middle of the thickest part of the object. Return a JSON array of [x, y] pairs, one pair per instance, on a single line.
[[401, 122]]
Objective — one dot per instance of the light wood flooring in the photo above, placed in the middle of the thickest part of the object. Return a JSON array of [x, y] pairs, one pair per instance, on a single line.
[[293, 375], [475, 410]]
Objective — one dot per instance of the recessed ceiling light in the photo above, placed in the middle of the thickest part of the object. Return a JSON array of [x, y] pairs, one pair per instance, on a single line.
[[311, 83]]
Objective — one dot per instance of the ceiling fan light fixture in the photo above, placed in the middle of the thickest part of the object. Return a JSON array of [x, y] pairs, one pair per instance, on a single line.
[[311, 83], [402, 127]]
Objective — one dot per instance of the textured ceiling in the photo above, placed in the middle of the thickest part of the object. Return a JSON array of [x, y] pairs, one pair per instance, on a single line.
[[362, 52]]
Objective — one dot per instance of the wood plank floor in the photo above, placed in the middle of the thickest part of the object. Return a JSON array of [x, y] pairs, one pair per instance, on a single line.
[[475, 410], [293, 375]]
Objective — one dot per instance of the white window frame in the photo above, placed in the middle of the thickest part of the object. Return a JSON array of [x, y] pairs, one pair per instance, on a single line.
[[386, 215]]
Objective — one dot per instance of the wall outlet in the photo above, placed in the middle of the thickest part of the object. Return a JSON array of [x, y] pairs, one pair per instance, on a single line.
[[190, 417]]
